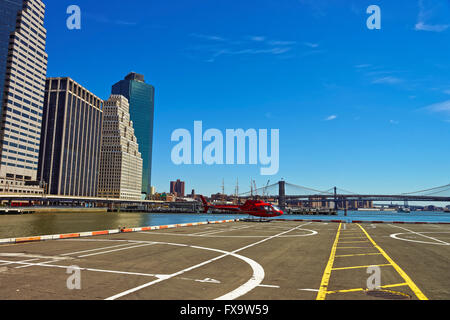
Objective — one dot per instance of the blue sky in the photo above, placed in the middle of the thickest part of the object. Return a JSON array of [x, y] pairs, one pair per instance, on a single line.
[[365, 110]]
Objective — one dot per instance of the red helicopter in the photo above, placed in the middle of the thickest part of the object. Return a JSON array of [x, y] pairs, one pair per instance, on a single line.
[[257, 208]]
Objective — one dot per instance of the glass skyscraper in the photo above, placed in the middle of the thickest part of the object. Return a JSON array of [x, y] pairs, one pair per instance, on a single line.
[[8, 15], [141, 97]]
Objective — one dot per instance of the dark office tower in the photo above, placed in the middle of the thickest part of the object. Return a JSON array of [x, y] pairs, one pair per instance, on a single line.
[[23, 68], [70, 139], [8, 16], [177, 188], [141, 97]]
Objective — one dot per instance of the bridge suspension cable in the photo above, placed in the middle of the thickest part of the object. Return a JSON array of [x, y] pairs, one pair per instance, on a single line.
[[302, 189], [297, 190], [431, 192]]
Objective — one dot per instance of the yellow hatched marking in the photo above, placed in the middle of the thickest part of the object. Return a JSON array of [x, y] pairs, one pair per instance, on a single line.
[[327, 273], [354, 241], [402, 273], [348, 238], [359, 267], [358, 254], [362, 289]]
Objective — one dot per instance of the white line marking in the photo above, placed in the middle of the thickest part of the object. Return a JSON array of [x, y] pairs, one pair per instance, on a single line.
[[313, 290], [37, 256], [88, 269], [255, 280], [207, 230], [46, 262], [268, 286], [228, 230], [34, 258], [7, 263], [312, 233], [114, 250], [83, 251], [420, 234]]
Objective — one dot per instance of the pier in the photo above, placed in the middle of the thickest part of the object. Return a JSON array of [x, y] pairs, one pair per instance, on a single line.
[[295, 260]]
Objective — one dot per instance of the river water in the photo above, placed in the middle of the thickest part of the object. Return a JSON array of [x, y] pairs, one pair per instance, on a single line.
[[12, 226]]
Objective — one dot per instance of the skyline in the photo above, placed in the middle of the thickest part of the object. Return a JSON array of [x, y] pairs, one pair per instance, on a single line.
[[366, 110]]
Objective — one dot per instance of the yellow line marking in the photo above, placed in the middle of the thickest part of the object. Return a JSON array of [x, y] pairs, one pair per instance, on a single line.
[[353, 248], [348, 238], [359, 267], [358, 254], [353, 241], [402, 273], [327, 273], [362, 289]]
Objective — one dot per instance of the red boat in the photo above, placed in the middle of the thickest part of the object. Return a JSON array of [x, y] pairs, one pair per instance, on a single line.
[[257, 208]]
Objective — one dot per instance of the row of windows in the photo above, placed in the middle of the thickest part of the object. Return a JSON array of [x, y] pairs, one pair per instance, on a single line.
[[41, 77], [15, 76], [18, 166], [27, 88], [18, 97], [6, 129], [30, 56], [19, 146], [21, 154], [37, 71], [38, 127], [22, 140], [37, 65], [39, 15], [20, 191], [37, 5], [26, 101], [21, 127], [16, 104], [24, 20], [19, 159]]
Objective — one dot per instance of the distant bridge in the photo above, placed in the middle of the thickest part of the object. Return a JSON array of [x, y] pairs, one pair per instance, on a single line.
[[284, 191]]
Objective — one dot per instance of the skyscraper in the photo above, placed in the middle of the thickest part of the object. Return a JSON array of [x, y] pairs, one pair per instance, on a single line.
[[120, 160], [141, 97], [70, 139], [23, 68], [177, 188]]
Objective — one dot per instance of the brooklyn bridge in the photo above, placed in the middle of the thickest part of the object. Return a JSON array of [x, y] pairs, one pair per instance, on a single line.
[[282, 192], [285, 192]]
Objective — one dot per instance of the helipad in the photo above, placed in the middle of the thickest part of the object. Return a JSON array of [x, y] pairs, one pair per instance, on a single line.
[[288, 260]]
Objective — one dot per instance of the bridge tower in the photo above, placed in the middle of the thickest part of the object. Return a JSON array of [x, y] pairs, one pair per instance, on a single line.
[[335, 199], [282, 194]]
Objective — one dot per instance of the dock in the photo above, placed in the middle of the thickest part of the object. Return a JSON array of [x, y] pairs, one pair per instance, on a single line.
[[234, 260], [15, 211]]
